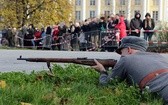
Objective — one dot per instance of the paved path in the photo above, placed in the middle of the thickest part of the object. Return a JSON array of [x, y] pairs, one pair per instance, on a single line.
[[9, 62]]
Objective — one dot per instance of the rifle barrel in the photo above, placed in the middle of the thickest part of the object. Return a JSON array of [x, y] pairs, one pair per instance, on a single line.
[[83, 61]]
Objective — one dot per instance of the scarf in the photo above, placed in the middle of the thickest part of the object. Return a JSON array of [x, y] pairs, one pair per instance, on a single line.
[[148, 23]]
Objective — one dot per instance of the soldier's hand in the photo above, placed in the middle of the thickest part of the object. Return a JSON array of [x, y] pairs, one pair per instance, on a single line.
[[98, 67]]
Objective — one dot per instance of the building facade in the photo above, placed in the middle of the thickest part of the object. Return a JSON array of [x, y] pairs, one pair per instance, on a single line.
[[84, 9]]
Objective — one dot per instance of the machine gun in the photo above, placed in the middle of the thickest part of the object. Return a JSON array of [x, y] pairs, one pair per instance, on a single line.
[[84, 61]]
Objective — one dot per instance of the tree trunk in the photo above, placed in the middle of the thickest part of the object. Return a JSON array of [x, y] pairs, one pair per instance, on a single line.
[[24, 14], [17, 13]]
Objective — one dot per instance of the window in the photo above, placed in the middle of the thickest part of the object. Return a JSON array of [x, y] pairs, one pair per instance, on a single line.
[[92, 14], [137, 2], [78, 2], [107, 13], [136, 11], [155, 2], [122, 2], [122, 12], [155, 15], [78, 15], [92, 2], [107, 2]]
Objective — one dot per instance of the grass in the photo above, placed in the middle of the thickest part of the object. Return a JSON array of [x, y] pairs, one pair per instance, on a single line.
[[71, 85]]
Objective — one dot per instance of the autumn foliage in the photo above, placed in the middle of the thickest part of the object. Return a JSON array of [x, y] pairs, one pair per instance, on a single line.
[[17, 13]]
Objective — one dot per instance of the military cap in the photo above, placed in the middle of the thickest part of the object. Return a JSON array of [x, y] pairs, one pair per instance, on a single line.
[[133, 42]]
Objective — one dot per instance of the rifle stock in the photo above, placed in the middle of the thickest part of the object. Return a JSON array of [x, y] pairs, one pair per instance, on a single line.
[[83, 61]]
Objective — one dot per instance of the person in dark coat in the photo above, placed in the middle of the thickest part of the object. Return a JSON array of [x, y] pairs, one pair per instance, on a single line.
[[102, 24], [136, 25], [10, 37], [127, 24], [85, 27], [4, 33], [62, 35], [86, 31], [94, 28], [47, 39], [29, 36], [111, 23], [74, 41], [148, 24]]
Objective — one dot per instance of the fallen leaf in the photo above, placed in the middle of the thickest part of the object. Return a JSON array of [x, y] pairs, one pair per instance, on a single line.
[[23, 103], [2, 84]]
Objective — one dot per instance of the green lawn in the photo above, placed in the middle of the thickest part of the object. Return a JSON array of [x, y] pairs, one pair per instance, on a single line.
[[71, 85]]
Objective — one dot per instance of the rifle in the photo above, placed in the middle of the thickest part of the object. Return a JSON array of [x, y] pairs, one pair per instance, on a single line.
[[83, 61]]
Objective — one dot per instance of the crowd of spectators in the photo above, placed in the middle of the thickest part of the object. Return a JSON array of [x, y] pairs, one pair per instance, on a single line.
[[79, 35]]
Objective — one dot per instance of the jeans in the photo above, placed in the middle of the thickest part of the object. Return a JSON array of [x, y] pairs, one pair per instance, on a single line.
[[148, 36]]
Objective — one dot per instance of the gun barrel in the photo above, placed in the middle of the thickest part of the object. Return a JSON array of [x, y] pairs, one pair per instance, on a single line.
[[20, 58], [83, 61]]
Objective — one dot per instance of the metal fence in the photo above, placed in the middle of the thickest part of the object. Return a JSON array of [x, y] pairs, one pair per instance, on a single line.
[[84, 41]]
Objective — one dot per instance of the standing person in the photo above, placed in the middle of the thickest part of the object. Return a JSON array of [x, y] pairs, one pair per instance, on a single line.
[[111, 22], [19, 37], [14, 32], [102, 24], [148, 24], [148, 70], [29, 37], [94, 28], [62, 35], [136, 25], [72, 34], [4, 32], [55, 38], [75, 43], [24, 32], [82, 41], [43, 37], [122, 28], [127, 24], [4, 40], [86, 31], [37, 38], [47, 44], [108, 39], [10, 37], [103, 32]]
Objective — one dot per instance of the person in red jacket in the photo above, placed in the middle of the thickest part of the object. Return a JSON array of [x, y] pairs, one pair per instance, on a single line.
[[37, 38], [55, 38], [121, 27]]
